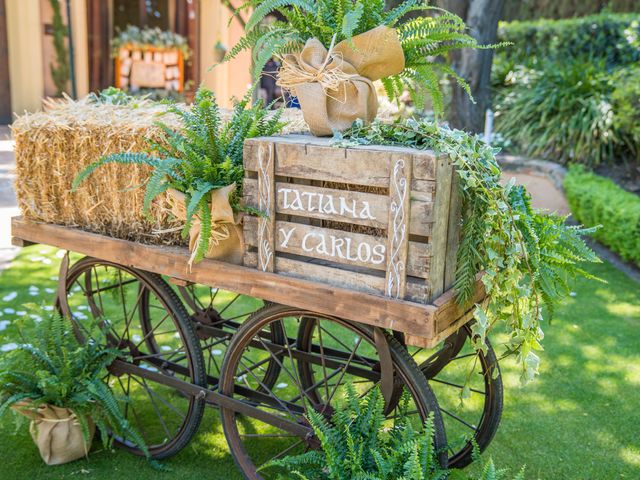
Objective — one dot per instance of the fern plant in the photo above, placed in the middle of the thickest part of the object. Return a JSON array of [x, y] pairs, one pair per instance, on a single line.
[[528, 257], [52, 367], [353, 445], [424, 40], [205, 155]]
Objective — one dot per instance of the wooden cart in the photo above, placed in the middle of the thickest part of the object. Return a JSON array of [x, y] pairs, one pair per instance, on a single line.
[[292, 328]]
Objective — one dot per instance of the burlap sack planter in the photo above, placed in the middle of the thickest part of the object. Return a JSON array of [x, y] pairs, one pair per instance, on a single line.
[[57, 433], [226, 243], [335, 86]]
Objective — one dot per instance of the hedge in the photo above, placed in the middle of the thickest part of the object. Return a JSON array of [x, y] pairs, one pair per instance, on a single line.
[[595, 200], [532, 9], [595, 37]]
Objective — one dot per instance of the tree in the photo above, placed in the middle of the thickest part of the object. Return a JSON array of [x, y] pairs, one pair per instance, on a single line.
[[481, 16]]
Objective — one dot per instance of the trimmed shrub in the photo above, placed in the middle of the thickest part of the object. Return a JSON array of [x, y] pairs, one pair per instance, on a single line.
[[532, 9], [595, 200], [607, 37], [562, 112]]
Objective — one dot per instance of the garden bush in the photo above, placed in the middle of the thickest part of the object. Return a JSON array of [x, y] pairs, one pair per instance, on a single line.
[[626, 105], [595, 200], [561, 112], [609, 37]]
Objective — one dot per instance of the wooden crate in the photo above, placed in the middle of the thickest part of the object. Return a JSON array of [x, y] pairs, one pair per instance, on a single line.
[[376, 219]]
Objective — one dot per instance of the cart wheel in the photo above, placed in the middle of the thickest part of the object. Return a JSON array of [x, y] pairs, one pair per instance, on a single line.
[[316, 368], [145, 319], [216, 315], [448, 368]]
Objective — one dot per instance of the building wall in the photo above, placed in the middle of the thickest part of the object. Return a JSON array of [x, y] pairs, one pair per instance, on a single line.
[[230, 79], [25, 54], [30, 52]]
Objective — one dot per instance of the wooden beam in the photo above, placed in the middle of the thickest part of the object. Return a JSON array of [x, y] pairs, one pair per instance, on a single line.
[[371, 309]]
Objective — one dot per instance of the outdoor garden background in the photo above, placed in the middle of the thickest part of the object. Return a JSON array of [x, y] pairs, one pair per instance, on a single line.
[[565, 98]]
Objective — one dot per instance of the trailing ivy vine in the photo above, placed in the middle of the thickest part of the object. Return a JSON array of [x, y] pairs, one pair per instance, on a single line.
[[527, 256]]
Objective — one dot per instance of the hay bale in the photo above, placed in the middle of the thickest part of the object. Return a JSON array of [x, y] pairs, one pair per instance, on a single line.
[[53, 146]]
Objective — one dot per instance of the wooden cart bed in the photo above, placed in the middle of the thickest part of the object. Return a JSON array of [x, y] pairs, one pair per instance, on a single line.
[[423, 324]]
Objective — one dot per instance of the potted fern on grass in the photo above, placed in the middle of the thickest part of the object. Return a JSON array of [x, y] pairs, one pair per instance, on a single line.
[[332, 51], [55, 381], [200, 170]]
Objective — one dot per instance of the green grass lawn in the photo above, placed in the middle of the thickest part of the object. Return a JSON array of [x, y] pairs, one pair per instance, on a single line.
[[579, 420]]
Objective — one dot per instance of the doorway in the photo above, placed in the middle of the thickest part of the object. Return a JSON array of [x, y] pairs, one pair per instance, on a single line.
[[106, 18]]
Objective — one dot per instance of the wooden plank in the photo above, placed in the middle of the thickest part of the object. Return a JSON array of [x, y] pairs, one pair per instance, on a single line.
[[266, 205], [449, 311], [173, 262], [18, 242], [444, 171], [359, 208], [290, 237], [362, 282], [425, 342], [398, 231], [308, 157], [453, 233]]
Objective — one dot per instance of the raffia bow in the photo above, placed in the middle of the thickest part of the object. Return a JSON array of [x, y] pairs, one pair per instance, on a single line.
[[226, 242], [335, 86]]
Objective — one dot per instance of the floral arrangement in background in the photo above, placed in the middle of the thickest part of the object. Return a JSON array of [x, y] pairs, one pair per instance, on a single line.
[[140, 38]]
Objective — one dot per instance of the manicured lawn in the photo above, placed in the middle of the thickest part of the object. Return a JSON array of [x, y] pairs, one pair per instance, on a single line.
[[580, 420]]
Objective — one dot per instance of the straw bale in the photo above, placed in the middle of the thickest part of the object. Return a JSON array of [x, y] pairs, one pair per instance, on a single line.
[[53, 146]]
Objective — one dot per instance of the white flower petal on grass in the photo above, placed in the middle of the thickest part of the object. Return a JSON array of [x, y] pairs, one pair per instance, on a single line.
[[572, 294], [7, 347], [54, 278], [46, 261], [83, 307], [282, 385], [9, 296], [136, 338], [50, 290], [9, 310], [76, 288], [44, 252], [4, 324], [34, 288], [61, 253], [148, 367], [34, 294], [21, 313], [165, 348], [36, 318], [48, 308], [216, 352], [241, 378], [36, 259]]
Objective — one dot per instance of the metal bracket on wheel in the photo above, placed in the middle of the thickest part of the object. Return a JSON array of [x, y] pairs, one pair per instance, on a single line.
[[62, 287], [387, 382]]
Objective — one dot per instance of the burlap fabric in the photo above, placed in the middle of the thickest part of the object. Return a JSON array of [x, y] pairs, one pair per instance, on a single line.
[[335, 86], [226, 243], [57, 433]]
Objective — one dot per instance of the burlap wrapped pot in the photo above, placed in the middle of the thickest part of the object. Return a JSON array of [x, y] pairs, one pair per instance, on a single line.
[[335, 86], [226, 243], [56, 432]]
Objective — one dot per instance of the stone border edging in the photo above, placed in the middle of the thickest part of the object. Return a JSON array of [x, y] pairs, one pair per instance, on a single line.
[[516, 163]]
